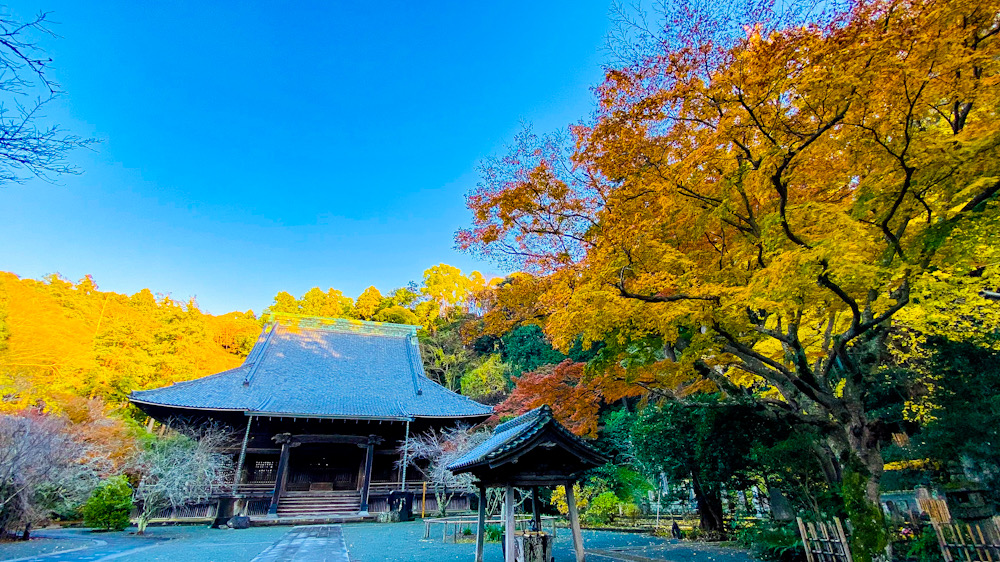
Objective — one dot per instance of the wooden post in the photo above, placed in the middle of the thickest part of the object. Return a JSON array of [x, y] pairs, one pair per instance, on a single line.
[[574, 523], [536, 514], [805, 539], [406, 455], [281, 478], [508, 536], [369, 459], [481, 524], [423, 501], [243, 456]]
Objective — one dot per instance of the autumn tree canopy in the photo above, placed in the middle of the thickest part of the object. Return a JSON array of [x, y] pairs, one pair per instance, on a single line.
[[767, 207]]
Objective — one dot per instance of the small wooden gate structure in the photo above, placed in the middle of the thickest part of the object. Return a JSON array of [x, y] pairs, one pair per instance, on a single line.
[[824, 542], [969, 542], [530, 451]]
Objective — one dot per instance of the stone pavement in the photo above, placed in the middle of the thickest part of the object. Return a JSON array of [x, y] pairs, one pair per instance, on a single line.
[[403, 542], [313, 543], [366, 542], [161, 544]]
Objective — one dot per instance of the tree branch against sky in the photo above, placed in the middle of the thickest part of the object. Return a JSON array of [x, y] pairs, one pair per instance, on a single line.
[[29, 147]]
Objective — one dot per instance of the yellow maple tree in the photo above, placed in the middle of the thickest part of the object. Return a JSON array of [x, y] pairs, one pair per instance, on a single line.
[[767, 206]]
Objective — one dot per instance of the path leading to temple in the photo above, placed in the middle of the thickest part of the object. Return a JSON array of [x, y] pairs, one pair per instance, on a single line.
[[314, 543], [366, 542]]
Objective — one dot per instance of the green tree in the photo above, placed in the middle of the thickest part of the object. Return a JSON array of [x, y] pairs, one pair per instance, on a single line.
[[525, 349], [109, 505], [487, 382], [708, 443], [397, 315]]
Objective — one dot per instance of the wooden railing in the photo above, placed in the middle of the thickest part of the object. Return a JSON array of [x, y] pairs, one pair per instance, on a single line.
[[459, 523], [417, 487], [184, 513]]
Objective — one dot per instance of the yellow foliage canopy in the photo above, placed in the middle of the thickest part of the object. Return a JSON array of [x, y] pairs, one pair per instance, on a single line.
[[60, 340], [769, 204]]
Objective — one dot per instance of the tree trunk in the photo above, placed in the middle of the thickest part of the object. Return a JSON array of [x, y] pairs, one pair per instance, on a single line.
[[443, 499], [709, 502], [863, 444], [143, 521]]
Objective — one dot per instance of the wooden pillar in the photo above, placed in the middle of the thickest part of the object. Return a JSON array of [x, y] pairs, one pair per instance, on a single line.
[[535, 511], [508, 535], [280, 478], [406, 455], [369, 459], [481, 524], [243, 456], [574, 523]]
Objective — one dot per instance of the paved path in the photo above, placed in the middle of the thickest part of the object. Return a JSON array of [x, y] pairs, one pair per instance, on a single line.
[[366, 542], [161, 544], [313, 543], [104, 548]]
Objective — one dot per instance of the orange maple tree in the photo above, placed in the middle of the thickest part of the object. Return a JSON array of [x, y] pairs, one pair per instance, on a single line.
[[766, 206]]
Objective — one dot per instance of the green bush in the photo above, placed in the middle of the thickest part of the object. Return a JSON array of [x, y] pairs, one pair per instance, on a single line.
[[494, 533], [109, 505], [631, 511], [925, 547], [603, 508], [771, 540]]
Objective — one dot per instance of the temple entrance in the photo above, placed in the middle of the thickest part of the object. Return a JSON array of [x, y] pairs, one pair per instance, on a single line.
[[325, 466]]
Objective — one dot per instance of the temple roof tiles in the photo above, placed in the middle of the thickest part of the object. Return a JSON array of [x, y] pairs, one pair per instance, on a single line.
[[324, 368]]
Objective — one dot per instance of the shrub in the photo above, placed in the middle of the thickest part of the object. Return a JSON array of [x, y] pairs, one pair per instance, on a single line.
[[109, 505], [580, 493], [771, 540], [925, 547], [631, 511], [603, 508], [494, 533]]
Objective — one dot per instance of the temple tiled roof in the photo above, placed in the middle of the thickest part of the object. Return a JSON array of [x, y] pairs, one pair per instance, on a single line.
[[340, 369], [519, 432]]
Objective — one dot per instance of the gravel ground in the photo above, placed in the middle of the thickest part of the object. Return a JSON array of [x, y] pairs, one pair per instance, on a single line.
[[38, 546], [160, 544], [403, 542], [366, 542]]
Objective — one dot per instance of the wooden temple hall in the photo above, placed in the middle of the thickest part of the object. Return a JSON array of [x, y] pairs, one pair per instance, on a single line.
[[322, 406]]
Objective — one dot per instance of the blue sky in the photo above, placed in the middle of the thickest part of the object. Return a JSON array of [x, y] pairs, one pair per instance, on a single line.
[[250, 147]]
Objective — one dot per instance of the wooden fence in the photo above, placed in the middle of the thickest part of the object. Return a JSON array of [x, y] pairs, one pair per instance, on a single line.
[[824, 542], [183, 514], [459, 523], [969, 542]]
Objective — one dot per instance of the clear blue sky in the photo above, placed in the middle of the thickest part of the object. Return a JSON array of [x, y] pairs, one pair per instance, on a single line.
[[250, 148]]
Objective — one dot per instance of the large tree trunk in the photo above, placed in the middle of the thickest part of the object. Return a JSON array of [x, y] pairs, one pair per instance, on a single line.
[[863, 443], [709, 501]]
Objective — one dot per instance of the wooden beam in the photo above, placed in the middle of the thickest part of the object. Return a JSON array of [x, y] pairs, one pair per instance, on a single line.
[[536, 513], [321, 438], [369, 457], [282, 477], [480, 525], [508, 535], [243, 457], [574, 523]]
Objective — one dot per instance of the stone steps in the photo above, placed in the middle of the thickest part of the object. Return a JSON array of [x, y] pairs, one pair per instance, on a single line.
[[301, 504]]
